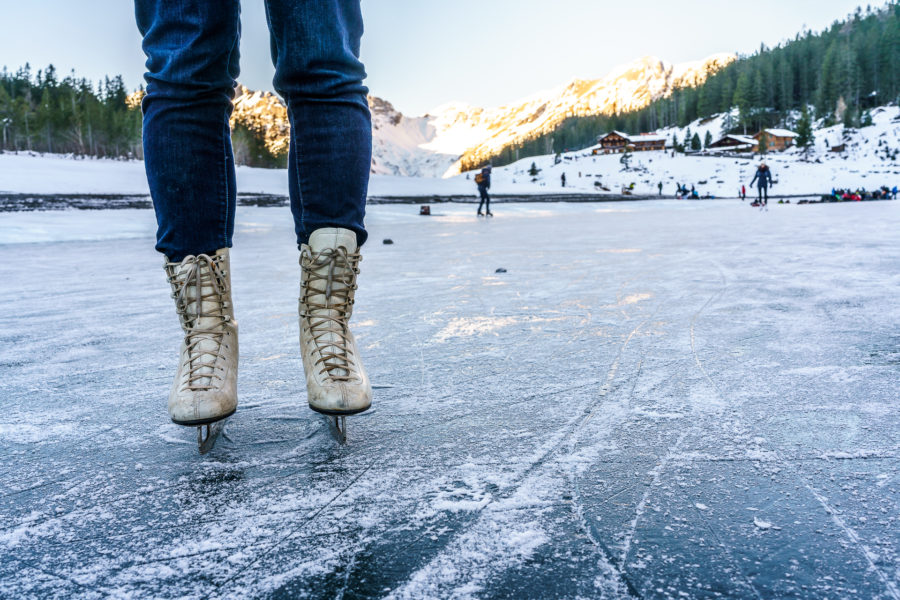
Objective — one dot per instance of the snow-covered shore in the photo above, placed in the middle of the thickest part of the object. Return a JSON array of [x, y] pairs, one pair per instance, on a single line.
[[866, 163], [32, 173]]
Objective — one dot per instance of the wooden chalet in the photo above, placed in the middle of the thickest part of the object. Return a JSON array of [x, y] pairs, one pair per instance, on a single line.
[[776, 139], [648, 141], [735, 143], [616, 142]]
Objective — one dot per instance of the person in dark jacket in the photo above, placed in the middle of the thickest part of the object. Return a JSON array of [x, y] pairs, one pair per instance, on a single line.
[[764, 175], [483, 180]]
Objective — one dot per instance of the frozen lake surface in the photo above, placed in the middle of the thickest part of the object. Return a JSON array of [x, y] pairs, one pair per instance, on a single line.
[[656, 400]]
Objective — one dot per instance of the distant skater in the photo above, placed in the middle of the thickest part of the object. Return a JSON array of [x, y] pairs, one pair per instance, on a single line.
[[660, 187], [743, 192], [562, 179], [483, 181], [764, 175]]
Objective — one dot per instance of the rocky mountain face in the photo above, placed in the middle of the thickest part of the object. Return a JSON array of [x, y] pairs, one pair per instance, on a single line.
[[432, 145], [265, 114], [477, 132]]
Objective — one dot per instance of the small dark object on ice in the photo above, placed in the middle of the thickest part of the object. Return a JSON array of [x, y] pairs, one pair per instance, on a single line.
[[425, 210], [500, 270], [387, 241]]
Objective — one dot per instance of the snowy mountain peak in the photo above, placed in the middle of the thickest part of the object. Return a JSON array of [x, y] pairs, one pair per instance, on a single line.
[[433, 144], [480, 133]]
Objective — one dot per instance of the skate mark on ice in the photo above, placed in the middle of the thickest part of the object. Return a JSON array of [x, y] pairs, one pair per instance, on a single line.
[[737, 565], [851, 534], [348, 571], [65, 578], [465, 530], [694, 320], [607, 557], [291, 534], [83, 444], [734, 562], [92, 507], [642, 505]]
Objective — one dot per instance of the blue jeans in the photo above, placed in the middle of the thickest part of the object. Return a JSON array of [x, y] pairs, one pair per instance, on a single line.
[[192, 63], [485, 198]]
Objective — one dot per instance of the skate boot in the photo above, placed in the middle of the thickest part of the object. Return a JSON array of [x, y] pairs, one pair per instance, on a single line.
[[205, 386], [336, 381]]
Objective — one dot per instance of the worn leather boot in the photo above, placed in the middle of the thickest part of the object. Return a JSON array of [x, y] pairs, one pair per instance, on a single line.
[[336, 381], [205, 386]]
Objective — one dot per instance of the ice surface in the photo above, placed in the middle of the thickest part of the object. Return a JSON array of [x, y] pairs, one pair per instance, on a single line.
[[656, 400]]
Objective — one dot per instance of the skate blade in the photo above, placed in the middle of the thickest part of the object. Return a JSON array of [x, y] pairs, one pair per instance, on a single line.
[[338, 426], [208, 434]]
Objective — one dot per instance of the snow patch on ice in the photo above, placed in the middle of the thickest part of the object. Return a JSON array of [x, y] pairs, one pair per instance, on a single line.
[[28, 433], [464, 327], [761, 524]]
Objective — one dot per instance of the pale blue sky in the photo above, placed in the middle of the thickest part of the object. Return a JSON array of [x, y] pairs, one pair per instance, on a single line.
[[422, 53]]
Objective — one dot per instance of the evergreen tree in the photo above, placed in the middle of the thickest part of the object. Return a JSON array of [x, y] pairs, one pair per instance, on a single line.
[[866, 119], [695, 142], [805, 136], [743, 99], [763, 143], [851, 117], [708, 140]]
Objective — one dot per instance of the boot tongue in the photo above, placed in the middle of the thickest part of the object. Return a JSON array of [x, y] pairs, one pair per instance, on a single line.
[[330, 238], [211, 311]]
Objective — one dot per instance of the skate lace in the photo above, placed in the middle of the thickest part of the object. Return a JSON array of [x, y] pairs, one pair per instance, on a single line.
[[328, 321], [203, 271]]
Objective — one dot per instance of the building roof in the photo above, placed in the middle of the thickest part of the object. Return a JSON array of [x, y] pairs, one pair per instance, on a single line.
[[649, 137], [779, 133], [740, 139], [744, 139], [618, 133]]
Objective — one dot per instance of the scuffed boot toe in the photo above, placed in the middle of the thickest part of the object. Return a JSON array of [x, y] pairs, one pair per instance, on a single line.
[[199, 408], [340, 398]]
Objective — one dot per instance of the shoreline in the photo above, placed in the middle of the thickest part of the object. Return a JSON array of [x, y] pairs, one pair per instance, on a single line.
[[23, 202]]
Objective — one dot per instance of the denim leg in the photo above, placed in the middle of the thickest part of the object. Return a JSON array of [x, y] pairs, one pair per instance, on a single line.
[[315, 47], [192, 63]]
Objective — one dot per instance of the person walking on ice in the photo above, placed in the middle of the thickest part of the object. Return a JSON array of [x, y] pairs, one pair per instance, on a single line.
[[192, 66], [764, 175], [483, 181]]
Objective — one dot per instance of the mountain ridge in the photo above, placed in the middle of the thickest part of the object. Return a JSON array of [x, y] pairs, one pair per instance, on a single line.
[[439, 142]]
